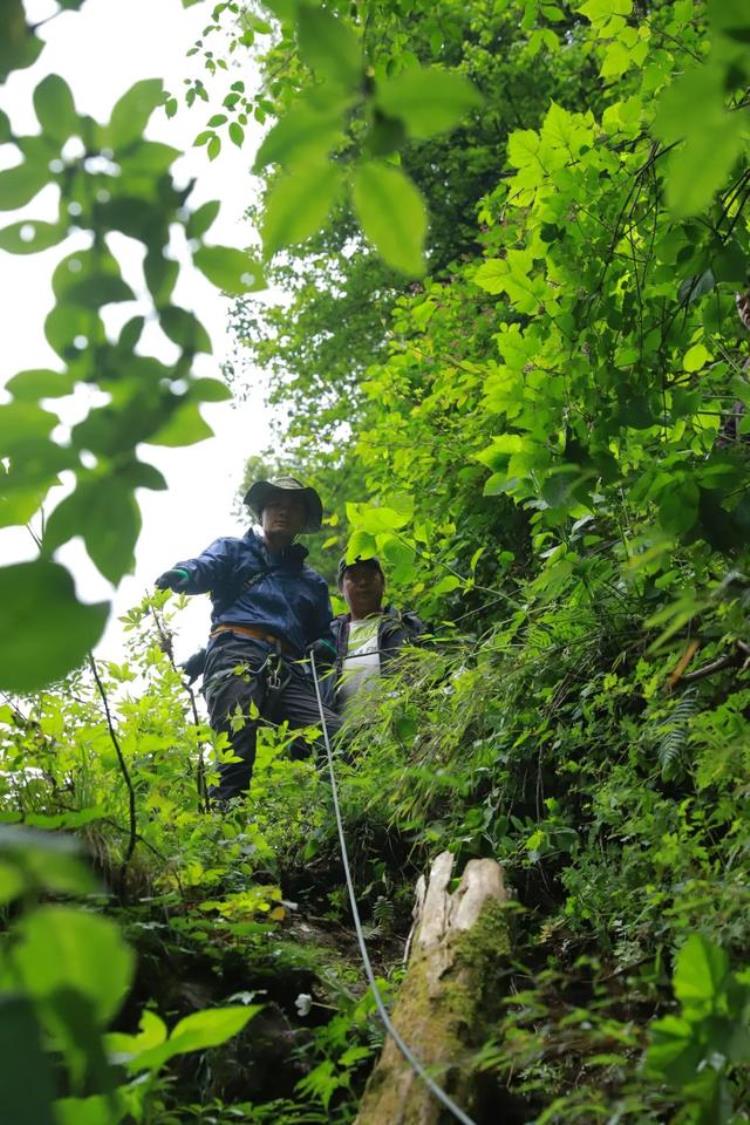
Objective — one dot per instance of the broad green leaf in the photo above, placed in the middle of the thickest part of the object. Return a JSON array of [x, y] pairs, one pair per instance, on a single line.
[[675, 1051], [131, 113], [32, 861], [184, 427], [328, 45], [161, 275], [696, 357], [202, 219], [31, 236], [38, 598], [209, 1028], [184, 329], [731, 18], [22, 423], [90, 956], [229, 269], [55, 108], [693, 111], [368, 517], [304, 131], [98, 1109], [700, 973], [139, 474], [361, 545], [130, 333], [104, 512], [152, 1032], [209, 390], [71, 330], [393, 216], [678, 506], [398, 554], [428, 100], [19, 185], [19, 46], [90, 279], [26, 1084], [298, 204]]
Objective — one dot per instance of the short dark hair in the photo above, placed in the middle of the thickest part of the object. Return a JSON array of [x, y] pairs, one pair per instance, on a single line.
[[343, 566]]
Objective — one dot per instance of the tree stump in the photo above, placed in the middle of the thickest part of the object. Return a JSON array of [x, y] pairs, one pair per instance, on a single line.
[[458, 939]]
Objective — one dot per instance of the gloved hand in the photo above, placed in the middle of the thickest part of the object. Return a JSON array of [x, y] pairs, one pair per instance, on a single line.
[[324, 652], [194, 665], [176, 579]]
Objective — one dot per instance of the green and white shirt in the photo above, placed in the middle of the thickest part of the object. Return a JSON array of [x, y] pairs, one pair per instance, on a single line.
[[362, 660]]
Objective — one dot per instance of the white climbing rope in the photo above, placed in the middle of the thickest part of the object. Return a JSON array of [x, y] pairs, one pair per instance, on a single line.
[[403, 1047]]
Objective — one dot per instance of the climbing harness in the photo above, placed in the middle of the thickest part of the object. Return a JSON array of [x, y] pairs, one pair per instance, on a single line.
[[403, 1047]]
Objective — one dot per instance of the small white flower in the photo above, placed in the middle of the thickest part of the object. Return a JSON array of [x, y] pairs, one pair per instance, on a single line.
[[303, 1004]]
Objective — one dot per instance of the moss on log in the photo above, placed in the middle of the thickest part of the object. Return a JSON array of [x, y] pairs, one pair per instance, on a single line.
[[460, 942]]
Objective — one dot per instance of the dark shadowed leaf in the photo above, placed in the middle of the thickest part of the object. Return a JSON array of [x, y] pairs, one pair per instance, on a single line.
[[201, 220], [104, 512], [39, 598], [26, 1086], [55, 108], [184, 329], [185, 427]]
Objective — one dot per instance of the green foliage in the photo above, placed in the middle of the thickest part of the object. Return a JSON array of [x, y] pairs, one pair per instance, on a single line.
[[121, 182], [543, 437], [698, 1050]]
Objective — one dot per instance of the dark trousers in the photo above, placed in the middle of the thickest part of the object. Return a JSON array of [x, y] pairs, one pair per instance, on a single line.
[[240, 671]]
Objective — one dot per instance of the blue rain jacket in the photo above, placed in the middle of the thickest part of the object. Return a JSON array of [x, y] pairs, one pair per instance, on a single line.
[[249, 585]]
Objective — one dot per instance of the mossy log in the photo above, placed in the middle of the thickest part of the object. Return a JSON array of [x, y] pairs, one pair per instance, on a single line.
[[459, 942]]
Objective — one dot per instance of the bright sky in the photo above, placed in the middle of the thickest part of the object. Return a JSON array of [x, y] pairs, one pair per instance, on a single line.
[[101, 51]]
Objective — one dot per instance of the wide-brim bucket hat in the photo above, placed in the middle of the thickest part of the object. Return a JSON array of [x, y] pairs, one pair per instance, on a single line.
[[261, 491]]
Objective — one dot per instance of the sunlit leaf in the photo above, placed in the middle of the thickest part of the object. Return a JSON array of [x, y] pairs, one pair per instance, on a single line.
[[229, 269], [304, 131], [700, 971], [90, 957], [298, 204], [428, 100], [328, 45], [131, 113], [393, 216]]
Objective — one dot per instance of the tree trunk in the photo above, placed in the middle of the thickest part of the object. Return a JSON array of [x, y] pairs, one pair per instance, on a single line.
[[459, 941]]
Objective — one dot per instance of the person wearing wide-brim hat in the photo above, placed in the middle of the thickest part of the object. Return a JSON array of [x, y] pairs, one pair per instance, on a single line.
[[268, 608]]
